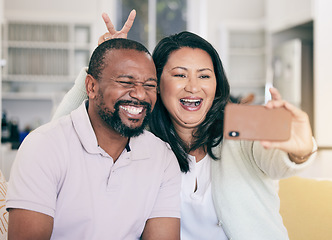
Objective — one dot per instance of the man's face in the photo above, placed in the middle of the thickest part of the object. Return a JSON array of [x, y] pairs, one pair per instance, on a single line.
[[127, 91]]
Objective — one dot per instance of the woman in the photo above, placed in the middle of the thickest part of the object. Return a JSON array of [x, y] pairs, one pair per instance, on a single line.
[[228, 188]]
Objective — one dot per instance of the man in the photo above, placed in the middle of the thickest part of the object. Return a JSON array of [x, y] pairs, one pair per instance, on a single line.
[[96, 173]]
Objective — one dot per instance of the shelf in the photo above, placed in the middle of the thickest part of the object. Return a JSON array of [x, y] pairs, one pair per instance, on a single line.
[[38, 32], [41, 62], [27, 96], [38, 78], [82, 46], [44, 52], [39, 45], [47, 45], [244, 46]]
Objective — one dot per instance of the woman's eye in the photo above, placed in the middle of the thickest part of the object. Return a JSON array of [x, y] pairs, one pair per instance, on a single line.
[[180, 75], [205, 76]]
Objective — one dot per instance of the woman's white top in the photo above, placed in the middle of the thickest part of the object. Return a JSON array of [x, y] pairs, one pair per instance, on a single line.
[[198, 217]]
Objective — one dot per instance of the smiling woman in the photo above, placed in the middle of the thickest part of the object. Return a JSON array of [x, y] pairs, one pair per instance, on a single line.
[[227, 185], [188, 86], [189, 70]]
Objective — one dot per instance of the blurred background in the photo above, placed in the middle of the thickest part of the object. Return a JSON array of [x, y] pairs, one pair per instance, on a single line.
[[285, 43]]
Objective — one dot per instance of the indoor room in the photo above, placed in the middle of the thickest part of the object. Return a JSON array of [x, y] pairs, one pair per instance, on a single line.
[[44, 44]]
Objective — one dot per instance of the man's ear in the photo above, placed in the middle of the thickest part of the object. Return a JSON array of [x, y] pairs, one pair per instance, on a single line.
[[90, 86]]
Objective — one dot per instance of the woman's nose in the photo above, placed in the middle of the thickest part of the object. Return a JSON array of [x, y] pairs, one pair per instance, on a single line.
[[192, 85]]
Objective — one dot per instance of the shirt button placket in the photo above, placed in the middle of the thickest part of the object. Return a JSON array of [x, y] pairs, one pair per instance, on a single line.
[[219, 223]]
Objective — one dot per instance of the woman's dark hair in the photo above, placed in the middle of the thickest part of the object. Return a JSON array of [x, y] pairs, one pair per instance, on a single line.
[[210, 132]]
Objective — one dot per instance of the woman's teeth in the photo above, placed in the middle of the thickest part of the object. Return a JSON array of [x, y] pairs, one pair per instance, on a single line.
[[132, 110], [191, 102]]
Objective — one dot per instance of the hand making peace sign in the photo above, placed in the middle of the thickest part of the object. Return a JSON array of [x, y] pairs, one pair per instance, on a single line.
[[112, 33]]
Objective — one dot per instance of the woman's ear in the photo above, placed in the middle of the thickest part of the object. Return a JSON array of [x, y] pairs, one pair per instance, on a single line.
[[90, 86]]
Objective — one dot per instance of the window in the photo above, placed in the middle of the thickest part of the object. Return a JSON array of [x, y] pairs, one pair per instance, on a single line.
[[155, 19]]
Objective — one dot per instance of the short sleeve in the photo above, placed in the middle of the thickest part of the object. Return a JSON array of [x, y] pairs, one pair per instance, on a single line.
[[168, 201], [34, 178]]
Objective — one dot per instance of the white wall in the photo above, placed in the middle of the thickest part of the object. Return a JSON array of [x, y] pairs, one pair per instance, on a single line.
[[283, 14], [50, 9], [323, 72], [221, 11]]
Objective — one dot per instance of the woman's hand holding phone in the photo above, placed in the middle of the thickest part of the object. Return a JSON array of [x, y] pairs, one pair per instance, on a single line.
[[300, 143], [278, 124]]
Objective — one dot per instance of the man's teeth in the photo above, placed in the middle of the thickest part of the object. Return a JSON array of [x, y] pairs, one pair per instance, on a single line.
[[132, 110], [189, 102]]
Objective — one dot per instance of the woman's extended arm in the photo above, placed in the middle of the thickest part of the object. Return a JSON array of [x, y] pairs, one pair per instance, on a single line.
[[74, 97]]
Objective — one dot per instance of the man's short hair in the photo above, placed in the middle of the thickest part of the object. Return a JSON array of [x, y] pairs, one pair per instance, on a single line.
[[97, 61]]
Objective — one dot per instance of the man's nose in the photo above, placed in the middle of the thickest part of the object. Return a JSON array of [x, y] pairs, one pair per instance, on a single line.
[[138, 92]]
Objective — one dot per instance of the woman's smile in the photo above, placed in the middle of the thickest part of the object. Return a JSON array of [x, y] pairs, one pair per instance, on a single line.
[[188, 86], [191, 103]]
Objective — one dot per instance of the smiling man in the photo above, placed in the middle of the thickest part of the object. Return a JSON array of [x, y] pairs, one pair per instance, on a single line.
[[96, 173]]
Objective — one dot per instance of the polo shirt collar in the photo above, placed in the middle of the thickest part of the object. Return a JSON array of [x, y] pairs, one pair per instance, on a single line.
[[137, 146]]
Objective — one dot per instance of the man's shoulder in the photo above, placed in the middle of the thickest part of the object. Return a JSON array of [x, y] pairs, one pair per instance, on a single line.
[[157, 150], [53, 125], [148, 143], [149, 135], [58, 128], [152, 139]]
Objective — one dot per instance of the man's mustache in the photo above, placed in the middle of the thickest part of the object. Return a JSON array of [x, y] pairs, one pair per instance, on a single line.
[[133, 103]]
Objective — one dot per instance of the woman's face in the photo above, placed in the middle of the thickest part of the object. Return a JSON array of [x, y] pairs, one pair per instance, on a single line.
[[188, 86]]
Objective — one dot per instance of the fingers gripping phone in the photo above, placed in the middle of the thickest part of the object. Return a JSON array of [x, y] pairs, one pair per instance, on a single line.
[[254, 122]]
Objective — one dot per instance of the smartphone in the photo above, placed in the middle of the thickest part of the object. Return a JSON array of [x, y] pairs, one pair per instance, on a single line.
[[255, 122]]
